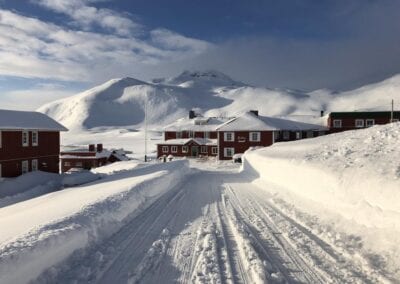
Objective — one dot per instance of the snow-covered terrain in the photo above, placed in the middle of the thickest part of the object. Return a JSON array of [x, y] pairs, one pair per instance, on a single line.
[[350, 180]]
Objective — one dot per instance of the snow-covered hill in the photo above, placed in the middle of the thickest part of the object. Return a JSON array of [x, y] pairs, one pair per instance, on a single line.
[[122, 102]]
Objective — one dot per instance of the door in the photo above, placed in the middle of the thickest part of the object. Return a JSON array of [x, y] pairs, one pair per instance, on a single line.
[[195, 151]]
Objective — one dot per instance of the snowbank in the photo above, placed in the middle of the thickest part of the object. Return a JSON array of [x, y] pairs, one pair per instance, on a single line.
[[355, 174], [65, 221]]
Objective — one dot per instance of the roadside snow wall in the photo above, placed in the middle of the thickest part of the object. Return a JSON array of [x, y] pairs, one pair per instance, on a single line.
[[355, 174], [44, 231]]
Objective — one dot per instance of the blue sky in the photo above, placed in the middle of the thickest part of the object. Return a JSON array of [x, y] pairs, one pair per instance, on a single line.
[[50, 49]]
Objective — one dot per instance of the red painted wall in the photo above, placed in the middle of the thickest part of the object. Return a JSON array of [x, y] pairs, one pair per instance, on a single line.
[[172, 135], [12, 153], [86, 163], [241, 147], [179, 153], [350, 124]]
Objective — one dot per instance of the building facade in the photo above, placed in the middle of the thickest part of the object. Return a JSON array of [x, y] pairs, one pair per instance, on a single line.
[[342, 121], [225, 137], [29, 141]]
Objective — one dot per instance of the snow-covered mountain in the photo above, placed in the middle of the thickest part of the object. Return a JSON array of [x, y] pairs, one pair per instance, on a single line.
[[122, 102]]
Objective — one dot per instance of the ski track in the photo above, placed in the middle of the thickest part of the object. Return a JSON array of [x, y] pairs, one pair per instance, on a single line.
[[213, 228]]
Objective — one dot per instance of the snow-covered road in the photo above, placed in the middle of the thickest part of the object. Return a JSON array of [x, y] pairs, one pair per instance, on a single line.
[[216, 227]]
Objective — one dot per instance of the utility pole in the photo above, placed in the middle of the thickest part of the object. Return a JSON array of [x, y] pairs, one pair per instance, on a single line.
[[391, 113], [145, 130]]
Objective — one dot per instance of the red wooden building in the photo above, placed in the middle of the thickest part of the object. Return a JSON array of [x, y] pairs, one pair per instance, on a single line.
[[88, 158], [29, 141], [223, 137], [341, 121]]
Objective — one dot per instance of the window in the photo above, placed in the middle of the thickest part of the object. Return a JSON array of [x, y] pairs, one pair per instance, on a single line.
[[165, 149], [67, 164], [310, 134], [185, 149], [337, 123], [35, 138], [174, 149], [369, 122], [25, 167], [203, 149], [229, 152], [229, 136], [25, 138], [178, 135], [206, 134], [241, 139], [359, 122], [78, 164], [298, 134], [286, 135], [214, 150], [34, 165], [191, 134], [255, 136]]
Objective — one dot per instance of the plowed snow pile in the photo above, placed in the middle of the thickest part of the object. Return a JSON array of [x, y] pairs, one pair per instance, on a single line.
[[351, 179]]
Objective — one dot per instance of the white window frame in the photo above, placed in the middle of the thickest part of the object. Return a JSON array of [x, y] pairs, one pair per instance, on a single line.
[[258, 138], [185, 149], [203, 149], [229, 149], [174, 149], [34, 165], [178, 134], [214, 150], [206, 134], [337, 123], [25, 142], [359, 123], [369, 120], [35, 142], [191, 134], [226, 135], [299, 135], [286, 135], [24, 167], [164, 149]]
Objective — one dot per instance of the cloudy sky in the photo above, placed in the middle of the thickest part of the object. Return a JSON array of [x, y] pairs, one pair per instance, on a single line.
[[50, 49]]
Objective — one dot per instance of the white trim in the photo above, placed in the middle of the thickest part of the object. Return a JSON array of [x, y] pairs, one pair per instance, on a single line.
[[36, 133], [369, 120], [258, 136], [174, 149], [185, 149], [339, 123], [299, 135], [203, 149], [359, 123], [232, 136], [24, 167], [164, 149], [229, 149], [25, 134], [214, 150], [34, 165]]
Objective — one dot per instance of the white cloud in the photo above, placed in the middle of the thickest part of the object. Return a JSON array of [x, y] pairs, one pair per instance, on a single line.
[[33, 48]]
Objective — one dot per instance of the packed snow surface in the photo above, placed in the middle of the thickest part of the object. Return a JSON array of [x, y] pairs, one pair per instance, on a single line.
[[166, 223]]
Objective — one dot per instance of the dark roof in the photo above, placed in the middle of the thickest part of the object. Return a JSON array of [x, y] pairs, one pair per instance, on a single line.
[[364, 114]]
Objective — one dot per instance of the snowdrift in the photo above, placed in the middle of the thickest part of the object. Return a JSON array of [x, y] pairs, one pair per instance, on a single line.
[[46, 230], [355, 174]]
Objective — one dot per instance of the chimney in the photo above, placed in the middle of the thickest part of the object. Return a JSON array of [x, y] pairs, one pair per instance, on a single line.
[[99, 147], [255, 112], [322, 113], [91, 148], [191, 114]]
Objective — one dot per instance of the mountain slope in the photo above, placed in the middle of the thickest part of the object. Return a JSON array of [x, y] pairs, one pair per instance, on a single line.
[[122, 102]]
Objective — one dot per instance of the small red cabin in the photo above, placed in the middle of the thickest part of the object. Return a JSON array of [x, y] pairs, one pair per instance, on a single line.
[[29, 141]]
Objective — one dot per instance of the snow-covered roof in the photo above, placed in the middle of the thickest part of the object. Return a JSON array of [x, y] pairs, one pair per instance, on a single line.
[[96, 155], [12, 119], [200, 141], [203, 124], [249, 121]]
